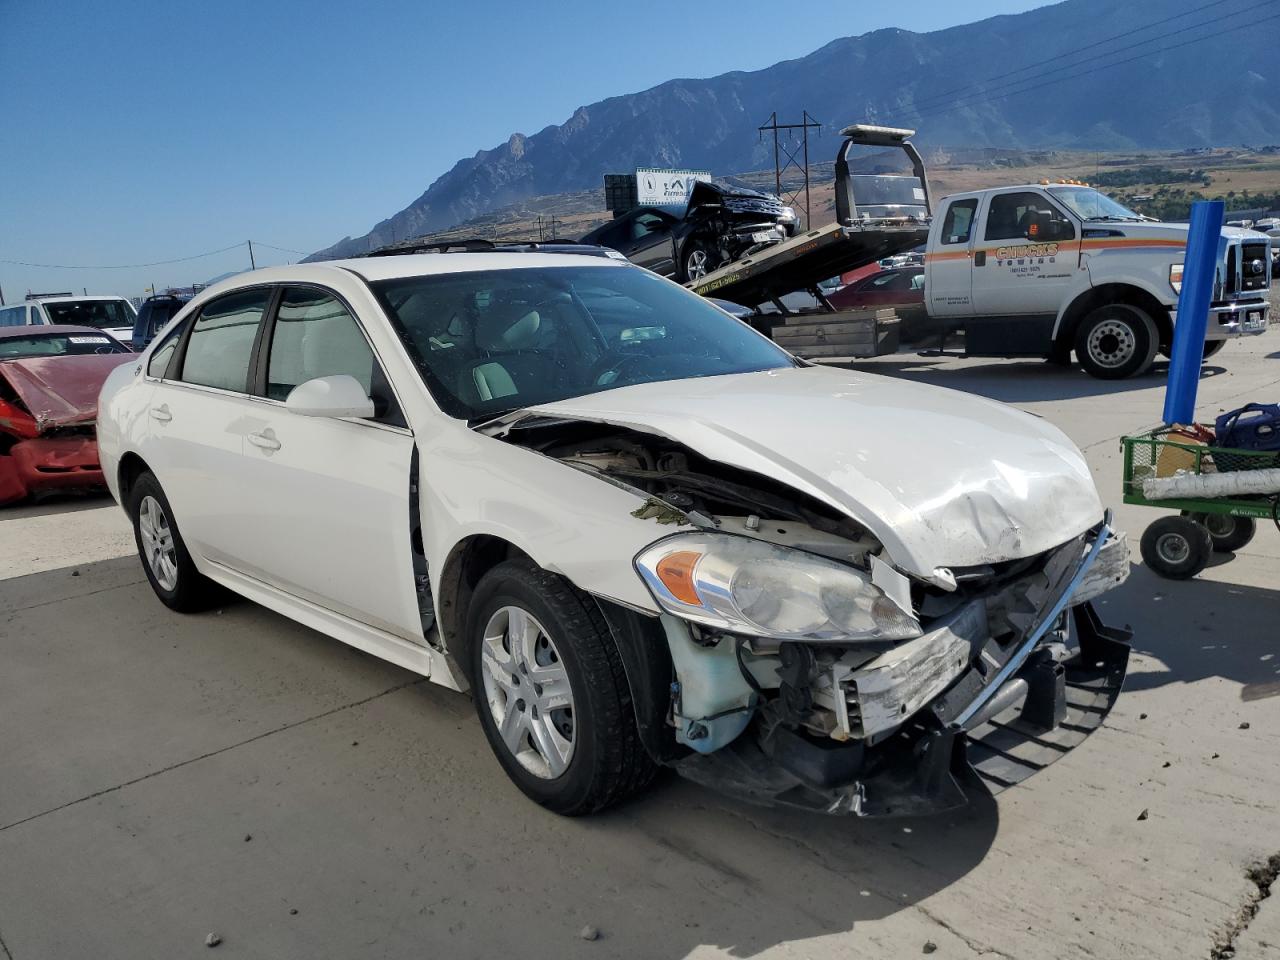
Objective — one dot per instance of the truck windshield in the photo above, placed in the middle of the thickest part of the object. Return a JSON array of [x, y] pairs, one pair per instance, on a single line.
[[1088, 204], [103, 314], [491, 341]]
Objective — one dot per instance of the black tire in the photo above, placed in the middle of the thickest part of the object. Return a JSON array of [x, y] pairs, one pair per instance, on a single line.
[[1213, 346], [1116, 341], [191, 590], [697, 259], [1228, 533], [608, 762], [1176, 547]]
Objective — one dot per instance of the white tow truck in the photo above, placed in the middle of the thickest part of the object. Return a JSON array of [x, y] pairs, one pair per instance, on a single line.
[[1044, 269]]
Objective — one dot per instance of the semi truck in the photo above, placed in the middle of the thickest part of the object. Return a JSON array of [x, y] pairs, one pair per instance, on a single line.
[[1031, 270]]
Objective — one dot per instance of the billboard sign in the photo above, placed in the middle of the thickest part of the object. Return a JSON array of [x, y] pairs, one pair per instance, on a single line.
[[667, 188]]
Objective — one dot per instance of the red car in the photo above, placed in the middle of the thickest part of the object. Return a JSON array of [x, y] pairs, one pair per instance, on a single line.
[[50, 376], [900, 286]]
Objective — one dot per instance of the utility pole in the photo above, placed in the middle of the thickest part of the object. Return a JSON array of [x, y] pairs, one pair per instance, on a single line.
[[1, 296], [252, 264], [797, 156]]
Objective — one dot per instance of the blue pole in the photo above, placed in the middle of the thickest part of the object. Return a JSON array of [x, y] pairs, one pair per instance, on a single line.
[[1199, 271]]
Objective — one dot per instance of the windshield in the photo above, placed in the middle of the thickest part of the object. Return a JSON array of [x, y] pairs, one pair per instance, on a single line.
[[90, 313], [496, 340], [58, 345], [1088, 204]]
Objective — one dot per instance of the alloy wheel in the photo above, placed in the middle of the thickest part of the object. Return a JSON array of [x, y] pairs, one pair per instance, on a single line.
[[157, 543], [527, 691], [696, 264]]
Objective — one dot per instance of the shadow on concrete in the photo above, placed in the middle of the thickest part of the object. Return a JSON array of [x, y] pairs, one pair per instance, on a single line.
[[1199, 629], [1016, 382], [373, 804], [56, 503]]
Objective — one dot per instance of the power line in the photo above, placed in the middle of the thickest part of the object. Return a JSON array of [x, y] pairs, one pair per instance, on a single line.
[[946, 108], [1071, 53], [157, 263]]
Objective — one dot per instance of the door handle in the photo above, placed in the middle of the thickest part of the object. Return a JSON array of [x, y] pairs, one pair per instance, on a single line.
[[980, 258], [266, 440], [161, 413]]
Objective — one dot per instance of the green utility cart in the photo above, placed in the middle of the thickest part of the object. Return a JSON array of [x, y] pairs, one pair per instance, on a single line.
[[1180, 547]]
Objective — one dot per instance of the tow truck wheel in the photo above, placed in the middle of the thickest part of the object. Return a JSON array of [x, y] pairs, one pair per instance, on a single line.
[[1212, 347], [1176, 547], [1116, 341], [1228, 533]]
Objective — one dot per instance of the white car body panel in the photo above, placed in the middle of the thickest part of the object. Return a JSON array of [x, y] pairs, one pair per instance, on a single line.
[[1013, 484], [969, 481]]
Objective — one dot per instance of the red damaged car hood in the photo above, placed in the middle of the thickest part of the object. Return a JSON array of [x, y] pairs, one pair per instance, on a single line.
[[61, 391]]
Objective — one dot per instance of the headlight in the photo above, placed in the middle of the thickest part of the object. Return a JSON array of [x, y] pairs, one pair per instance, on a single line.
[[747, 586], [1175, 278], [788, 214]]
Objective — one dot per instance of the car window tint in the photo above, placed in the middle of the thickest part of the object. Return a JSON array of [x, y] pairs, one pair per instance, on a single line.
[[13, 317], [959, 221], [315, 336], [221, 341], [1019, 216]]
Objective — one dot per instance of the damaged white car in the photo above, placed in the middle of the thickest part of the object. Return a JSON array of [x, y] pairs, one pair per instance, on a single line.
[[637, 530]]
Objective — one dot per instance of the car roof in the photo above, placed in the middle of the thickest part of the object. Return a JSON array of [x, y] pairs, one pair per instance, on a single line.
[[58, 299], [432, 264], [41, 329]]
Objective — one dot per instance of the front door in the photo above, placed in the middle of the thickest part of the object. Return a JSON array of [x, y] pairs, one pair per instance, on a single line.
[[651, 242], [1027, 257], [948, 265], [330, 497]]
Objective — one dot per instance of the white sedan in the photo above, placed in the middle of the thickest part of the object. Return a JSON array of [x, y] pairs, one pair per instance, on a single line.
[[642, 533]]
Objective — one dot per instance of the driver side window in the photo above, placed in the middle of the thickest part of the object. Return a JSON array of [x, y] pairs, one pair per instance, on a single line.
[[1026, 216]]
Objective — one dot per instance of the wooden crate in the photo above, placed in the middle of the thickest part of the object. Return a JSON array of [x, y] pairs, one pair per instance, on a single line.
[[848, 333]]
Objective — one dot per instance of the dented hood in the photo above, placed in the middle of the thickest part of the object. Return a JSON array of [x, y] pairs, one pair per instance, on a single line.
[[61, 391], [941, 478]]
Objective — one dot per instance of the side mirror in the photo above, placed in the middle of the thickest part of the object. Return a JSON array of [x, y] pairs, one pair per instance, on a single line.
[[337, 396]]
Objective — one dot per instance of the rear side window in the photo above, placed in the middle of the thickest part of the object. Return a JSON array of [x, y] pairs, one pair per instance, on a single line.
[[958, 225], [221, 341], [315, 336], [13, 317]]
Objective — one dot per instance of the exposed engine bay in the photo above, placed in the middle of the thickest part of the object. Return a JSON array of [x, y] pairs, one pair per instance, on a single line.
[[886, 725]]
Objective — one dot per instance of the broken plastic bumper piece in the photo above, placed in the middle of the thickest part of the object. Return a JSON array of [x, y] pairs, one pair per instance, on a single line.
[[1014, 710]]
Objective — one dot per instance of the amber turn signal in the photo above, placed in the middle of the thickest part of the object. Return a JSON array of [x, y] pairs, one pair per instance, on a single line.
[[676, 573]]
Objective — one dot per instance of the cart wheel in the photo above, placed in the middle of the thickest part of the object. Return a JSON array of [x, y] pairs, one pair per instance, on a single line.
[[1228, 533], [1176, 547]]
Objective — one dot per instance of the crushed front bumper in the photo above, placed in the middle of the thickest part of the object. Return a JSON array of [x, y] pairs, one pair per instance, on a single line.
[[1014, 711], [46, 465]]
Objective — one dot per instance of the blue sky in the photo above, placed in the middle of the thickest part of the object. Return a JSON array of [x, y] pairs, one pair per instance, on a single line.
[[145, 131]]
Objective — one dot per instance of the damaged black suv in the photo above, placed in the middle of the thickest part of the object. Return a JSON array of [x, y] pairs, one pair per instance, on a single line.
[[725, 220]]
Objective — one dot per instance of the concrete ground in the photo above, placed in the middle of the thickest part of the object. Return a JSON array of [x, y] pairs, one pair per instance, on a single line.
[[166, 777]]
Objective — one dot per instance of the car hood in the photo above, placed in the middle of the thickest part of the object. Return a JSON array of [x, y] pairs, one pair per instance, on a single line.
[[943, 479], [61, 391]]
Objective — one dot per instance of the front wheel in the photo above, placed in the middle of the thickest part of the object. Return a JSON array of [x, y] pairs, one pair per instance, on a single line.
[[697, 260], [1176, 547], [551, 692], [1116, 341]]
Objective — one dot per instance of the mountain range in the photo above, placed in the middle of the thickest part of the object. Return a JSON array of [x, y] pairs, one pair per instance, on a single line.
[[1082, 74]]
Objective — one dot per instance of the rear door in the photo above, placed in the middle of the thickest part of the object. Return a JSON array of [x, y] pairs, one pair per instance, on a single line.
[[330, 497], [949, 262], [194, 441]]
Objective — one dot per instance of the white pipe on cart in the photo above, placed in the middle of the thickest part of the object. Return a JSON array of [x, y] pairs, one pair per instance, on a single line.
[[1232, 483]]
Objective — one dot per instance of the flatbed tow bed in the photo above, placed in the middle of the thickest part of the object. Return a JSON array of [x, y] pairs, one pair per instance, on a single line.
[[856, 238]]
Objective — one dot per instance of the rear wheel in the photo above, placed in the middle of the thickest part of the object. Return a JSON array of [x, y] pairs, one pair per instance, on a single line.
[[1176, 547], [1116, 341], [1228, 533], [551, 692], [168, 565]]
